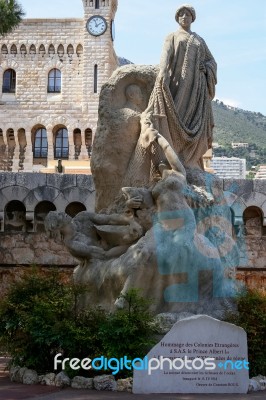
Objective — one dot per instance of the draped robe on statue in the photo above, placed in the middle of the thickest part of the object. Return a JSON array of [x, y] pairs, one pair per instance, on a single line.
[[180, 106]]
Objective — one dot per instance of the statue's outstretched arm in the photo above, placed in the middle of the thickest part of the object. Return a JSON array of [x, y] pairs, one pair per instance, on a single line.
[[150, 135], [112, 219], [171, 155], [118, 219], [117, 251], [82, 250]]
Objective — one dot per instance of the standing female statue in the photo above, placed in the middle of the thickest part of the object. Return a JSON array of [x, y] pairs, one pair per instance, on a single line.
[[184, 90], [180, 104]]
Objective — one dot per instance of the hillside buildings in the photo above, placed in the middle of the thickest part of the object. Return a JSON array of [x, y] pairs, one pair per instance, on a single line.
[[51, 71], [261, 173], [229, 167], [239, 145]]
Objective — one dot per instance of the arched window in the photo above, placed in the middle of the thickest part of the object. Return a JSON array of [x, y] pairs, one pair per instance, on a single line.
[[41, 211], [23, 50], [22, 143], [15, 216], [2, 142], [22, 138], [77, 142], [10, 137], [97, 3], [1, 137], [9, 81], [13, 49], [61, 144], [95, 84], [4, 50], [253, 219], [51, 50], [32, 49], [40, 148], [3, 160], [60, 50], [70, 50], [54, 81], [42, 50], [75, 208], [10, 149], [79, 50], [88, 140]]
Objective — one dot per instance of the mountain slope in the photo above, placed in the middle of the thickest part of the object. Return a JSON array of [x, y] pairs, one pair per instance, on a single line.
[[236, 125]]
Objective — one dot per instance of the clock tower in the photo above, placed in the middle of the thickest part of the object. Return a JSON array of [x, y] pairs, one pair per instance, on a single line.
[[99, 58]]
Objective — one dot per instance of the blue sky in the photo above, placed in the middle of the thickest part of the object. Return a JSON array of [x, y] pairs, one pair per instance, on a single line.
[[235, 31]]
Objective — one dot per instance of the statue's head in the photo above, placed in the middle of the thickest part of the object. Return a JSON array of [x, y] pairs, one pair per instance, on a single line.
[[183, 10], [55, 223], [134, 94]]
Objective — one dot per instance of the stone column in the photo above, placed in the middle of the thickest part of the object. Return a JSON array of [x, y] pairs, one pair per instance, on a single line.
[[71, 154], [50, 140], [28, 161], [83, 151], [15, 165]]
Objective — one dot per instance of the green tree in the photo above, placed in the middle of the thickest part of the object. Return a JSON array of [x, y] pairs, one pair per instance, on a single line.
[[11, 14]]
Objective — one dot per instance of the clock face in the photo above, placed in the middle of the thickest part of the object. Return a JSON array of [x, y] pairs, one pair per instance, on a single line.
[[96, 25]]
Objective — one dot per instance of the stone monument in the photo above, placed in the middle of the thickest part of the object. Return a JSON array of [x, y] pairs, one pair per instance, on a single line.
[[162, 223], [198, 355]]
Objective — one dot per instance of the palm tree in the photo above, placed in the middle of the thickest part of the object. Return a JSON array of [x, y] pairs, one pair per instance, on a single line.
[[11, 14]]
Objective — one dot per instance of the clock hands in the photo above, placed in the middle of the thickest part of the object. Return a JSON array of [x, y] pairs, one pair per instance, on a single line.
[[96, 25]]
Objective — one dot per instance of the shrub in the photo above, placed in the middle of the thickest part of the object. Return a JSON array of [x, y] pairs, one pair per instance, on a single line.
[[39, 318], [251, 317], [33, 319], [129, 331]]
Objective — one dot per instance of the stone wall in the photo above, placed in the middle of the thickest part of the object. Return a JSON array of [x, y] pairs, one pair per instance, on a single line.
[[23, 241], [253, 279], [247, 199], [33, 249], [26, 198], [9, 275]]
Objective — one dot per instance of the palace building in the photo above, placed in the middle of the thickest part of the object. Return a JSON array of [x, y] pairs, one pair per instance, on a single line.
[[51, 72]]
